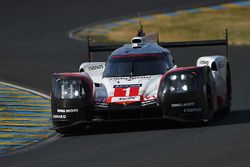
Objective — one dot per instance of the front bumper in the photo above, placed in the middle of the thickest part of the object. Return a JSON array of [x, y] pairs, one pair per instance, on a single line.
[[108, 113], [127, 112], [184, 108]]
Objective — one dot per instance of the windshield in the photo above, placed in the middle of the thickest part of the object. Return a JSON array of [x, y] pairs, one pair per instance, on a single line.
[[136, 65]]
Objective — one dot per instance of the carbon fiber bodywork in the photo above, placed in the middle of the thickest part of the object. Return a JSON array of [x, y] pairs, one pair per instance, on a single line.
[[68, 111]]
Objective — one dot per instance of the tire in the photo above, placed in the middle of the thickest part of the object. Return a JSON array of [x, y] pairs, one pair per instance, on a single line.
[[227, 109], [208, 100]]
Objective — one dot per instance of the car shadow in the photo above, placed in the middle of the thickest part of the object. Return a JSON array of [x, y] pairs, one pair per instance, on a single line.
[[127, 126], [234, 117]]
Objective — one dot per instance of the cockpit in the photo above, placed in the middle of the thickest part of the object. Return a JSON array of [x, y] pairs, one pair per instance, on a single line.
[[138, 64]]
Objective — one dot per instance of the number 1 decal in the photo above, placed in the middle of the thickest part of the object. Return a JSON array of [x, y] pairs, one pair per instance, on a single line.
[[130, 91]]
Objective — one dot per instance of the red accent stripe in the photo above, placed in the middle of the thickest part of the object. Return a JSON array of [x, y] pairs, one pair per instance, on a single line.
[[73, 74], [142, 99], [179, 69], [108, 100], [136, 55]]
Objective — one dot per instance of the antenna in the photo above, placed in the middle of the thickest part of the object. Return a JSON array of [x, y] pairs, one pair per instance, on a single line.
[[227, 48], [140, 32]]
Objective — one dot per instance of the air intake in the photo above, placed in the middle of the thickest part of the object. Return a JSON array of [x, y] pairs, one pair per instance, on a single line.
[[137, 42]]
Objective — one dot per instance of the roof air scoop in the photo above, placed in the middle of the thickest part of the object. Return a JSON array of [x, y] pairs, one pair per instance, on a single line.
[[137, 42]]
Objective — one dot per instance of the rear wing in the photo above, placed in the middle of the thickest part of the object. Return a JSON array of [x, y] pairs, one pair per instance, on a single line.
[[107, 48]]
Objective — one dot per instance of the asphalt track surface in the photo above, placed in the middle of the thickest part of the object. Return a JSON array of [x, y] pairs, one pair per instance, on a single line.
[[34, 43]]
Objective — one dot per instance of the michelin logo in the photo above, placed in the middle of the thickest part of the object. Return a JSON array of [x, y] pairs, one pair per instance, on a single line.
[[189, 110]]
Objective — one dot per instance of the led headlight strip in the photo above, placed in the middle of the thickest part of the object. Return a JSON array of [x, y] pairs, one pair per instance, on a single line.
[[179, 83], [71, 89], [180, 80]]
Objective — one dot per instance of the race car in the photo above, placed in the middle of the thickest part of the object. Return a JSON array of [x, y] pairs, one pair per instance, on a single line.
[[142, 81]]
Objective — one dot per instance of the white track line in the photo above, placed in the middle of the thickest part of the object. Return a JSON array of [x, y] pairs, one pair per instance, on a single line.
[[26, 89]]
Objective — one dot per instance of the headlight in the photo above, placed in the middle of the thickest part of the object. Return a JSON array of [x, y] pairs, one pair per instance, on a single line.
[[179, 83], [173, 77], [71, 89], [183, 77]]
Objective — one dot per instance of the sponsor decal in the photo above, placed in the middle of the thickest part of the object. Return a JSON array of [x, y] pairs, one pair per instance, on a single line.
[[96, 67], [67, 110], [127, 86], [130, 78], [204, 62], [147, 98], [126, 99], [71, 110], [189, 110], [100, 99], [185, 105], [61, 110], [59, 116], [182, 105]]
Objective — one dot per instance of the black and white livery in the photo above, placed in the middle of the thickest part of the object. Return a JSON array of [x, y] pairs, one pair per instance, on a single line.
[[141, 81]]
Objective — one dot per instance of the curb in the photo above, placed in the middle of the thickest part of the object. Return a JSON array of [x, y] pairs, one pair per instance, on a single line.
[[25, 118], [26, 89]]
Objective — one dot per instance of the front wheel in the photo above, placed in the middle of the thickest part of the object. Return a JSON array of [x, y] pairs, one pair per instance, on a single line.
[[208, 109]]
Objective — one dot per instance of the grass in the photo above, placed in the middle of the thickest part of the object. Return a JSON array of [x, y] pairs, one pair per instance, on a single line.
[[200, 26]]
